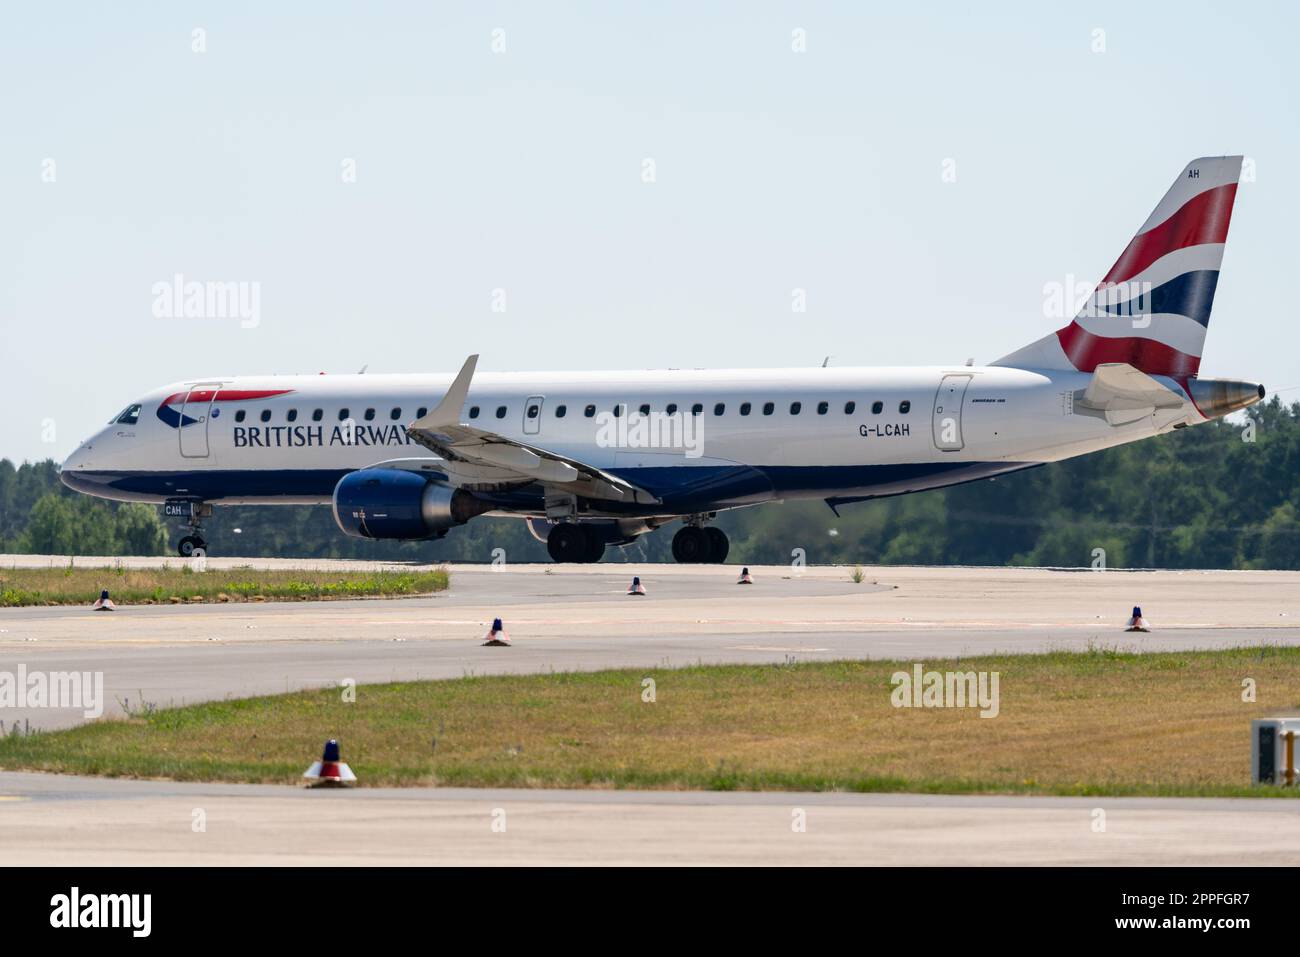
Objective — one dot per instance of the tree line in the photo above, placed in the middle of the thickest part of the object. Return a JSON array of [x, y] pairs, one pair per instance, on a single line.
[[1221, 495]]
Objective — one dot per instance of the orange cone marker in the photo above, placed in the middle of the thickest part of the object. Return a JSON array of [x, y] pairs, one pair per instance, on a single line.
[[103, 602], [329, 771], [497, 634], [636, 588], [1137, 622], [744, 577]]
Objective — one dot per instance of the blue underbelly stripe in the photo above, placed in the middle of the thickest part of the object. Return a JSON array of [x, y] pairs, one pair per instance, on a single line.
[[681, 489]]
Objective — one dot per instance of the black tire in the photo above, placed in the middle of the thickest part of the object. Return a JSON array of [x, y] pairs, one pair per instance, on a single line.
[[719, 545], [187, 545], [690, 545], [567, 542], [595, 544]]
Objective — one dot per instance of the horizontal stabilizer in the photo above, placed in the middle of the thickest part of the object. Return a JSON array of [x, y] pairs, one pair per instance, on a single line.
[[1121, 394]]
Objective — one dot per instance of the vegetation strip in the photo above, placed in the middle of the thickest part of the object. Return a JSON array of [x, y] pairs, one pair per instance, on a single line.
[[130, 586], [1100, 722]]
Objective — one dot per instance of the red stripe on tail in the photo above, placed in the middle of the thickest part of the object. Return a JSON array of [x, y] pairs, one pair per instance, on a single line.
[[1202, 219], [1086, 351]]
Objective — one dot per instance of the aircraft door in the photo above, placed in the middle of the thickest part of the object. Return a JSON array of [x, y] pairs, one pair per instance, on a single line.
[[195, 410], [947, 413]]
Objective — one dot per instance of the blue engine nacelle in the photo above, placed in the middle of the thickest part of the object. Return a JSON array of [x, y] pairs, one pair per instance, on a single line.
[[397, 504]]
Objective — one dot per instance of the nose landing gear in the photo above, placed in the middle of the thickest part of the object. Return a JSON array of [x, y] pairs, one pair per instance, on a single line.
[[193, 513]]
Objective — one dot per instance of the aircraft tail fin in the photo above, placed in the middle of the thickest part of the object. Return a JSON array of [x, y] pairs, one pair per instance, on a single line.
[[1152, 309]]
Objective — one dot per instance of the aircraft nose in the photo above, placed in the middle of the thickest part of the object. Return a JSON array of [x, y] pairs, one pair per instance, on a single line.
[[73, 464]]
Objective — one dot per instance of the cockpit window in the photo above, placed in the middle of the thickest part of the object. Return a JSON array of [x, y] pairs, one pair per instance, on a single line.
[[129, 416]]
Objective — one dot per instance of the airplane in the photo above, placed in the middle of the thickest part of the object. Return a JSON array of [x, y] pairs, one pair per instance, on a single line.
[[594, 459]]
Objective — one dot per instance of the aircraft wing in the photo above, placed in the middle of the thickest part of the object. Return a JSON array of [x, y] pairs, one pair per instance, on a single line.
[[1121, 394], [442, 432]]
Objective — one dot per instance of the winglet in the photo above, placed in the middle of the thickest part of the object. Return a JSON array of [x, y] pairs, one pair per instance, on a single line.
[[447, 412]]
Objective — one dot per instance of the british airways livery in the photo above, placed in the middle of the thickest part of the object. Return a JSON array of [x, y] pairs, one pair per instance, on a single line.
[[593, 459]]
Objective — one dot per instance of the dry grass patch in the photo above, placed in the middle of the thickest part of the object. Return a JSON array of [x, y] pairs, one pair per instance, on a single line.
[[1096, 722], [129, 586]]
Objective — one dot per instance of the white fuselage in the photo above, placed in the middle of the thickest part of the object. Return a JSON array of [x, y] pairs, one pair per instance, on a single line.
[[754, 435]]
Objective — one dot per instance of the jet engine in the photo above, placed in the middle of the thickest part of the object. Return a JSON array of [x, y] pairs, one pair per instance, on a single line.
[[397, 504]]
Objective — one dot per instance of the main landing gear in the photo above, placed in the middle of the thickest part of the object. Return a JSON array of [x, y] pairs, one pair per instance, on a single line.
[[700, 544], [695, 543], [571, 542]]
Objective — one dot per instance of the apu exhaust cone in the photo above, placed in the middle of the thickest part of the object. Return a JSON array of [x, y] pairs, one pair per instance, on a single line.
[[1216, 397]]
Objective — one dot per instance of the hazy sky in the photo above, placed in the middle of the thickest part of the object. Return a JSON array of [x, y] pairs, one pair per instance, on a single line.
[[487, 177]]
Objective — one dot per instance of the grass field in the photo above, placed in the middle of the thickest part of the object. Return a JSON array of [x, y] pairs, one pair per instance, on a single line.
[[1088, 723], [131, 586]]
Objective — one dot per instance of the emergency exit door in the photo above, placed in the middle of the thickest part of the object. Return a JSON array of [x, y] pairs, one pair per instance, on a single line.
[[533, 414]]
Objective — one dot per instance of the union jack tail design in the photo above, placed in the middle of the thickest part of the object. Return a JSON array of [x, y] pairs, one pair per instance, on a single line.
[[1153, 307]]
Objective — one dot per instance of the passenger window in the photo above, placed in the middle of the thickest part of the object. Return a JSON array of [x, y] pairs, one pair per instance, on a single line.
[[618, 410], [343, 414], [645, 408], [769, 408], [905, 407], [744, 408], [317, 414], [720, 408], [291, 415], [473, 412], [395, 414], [560, 410], [822, 407], [795, 407], [533, 410], [501, 412], [849, 407], [370, 415], [421, 412], [239, 416], [697, 408], [589, 411], [266, 415], [671, 408], [877, 407]]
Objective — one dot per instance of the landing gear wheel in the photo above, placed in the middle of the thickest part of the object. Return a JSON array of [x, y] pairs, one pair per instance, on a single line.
[[690, 545], [567, 542], [718, 544], [595, 545], [189, 543]]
